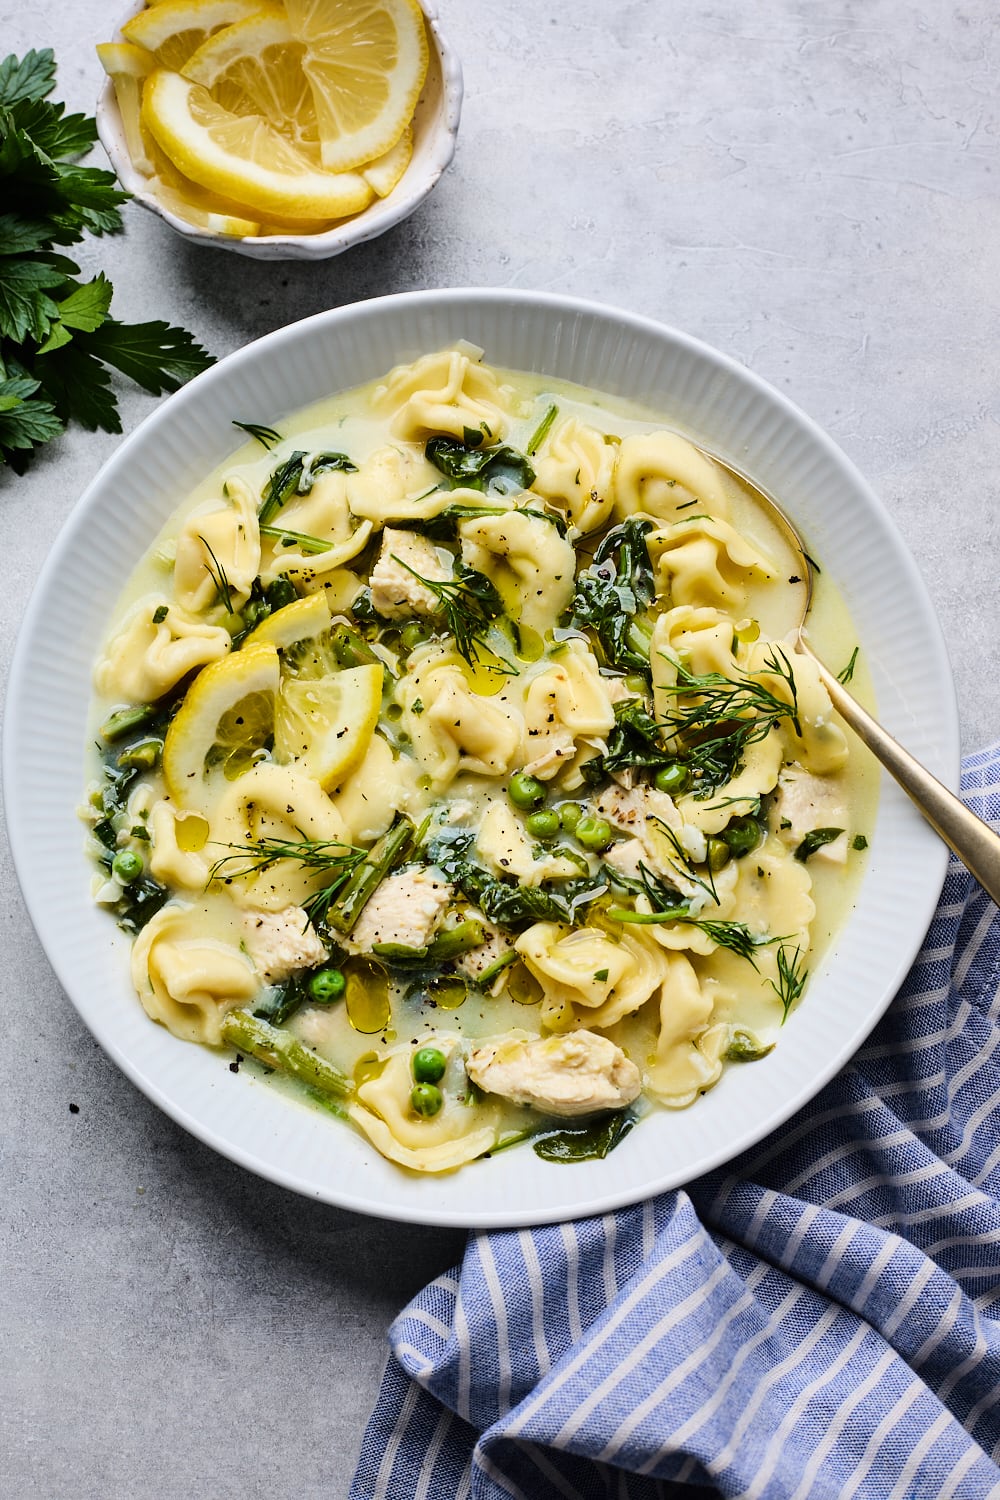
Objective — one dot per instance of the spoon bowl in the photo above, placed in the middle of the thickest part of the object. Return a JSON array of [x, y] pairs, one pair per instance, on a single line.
[[966, 835]]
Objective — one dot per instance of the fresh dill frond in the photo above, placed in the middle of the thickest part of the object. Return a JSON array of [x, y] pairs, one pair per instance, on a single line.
[[846, 673], [791, 979], [684, 859], [217, 573], [266, 436], [717, 718], [469, 602], [330, 855]]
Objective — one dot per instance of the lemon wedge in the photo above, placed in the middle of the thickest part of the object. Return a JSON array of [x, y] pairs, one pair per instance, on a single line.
[[201, 217], [223, 725], [384, 172], [174, 29], [255, 68], [127, 65], [302, 620], [366, 61], [241, 156], [325, 725]]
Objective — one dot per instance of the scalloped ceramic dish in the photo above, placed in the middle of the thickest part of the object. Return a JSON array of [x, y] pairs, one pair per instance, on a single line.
[[435, 127], [718, 404]]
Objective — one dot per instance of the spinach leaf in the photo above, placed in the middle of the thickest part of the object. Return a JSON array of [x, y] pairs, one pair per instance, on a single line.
[[497, 469], [590, 1142], [815, 840]]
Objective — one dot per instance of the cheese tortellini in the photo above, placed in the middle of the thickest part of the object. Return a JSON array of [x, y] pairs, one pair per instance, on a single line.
[[459, 764]]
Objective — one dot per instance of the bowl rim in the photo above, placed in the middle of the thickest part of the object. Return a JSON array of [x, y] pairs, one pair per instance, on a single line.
[[946, 762], [381, 214]]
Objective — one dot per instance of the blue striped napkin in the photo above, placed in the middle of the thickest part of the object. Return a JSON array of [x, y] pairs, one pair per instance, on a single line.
[[821, 1320]]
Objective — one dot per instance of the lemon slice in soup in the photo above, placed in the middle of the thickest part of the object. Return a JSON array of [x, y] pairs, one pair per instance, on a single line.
[[325, 724], [300, 621], [224, 725]]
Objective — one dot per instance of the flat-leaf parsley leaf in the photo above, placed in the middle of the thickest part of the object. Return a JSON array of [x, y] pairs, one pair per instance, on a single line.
[[57, 337]]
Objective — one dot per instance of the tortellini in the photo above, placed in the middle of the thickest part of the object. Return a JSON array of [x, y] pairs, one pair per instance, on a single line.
[[664, 476], [453, 729], [583, 967], [218, 551], [456, 1134], [276, 802], [323, 514], [186, 977], [576, 474], [688, 1055], [533, 567], [396, 485], [702, 560], [567, 702], [447, 393], [158, 645]]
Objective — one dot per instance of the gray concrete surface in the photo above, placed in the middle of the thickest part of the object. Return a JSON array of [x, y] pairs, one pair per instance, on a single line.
[[810, 187]]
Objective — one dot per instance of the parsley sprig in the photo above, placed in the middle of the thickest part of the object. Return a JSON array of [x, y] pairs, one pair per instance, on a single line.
[[57, 337]]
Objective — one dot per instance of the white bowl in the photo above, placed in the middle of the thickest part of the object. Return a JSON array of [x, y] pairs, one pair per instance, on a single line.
[[435, 126], [716, 402]]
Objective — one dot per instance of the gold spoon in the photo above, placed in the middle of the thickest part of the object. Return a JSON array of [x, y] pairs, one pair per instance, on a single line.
[[975, 843]]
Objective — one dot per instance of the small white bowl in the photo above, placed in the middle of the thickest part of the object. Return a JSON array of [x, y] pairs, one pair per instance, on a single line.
[[435, 126]]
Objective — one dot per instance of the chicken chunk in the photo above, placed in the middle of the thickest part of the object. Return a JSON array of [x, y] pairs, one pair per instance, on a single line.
[[395, 593], [666, 841], [475, 963], [573, 1074], [405, 909], [280, 942], [806, 802]]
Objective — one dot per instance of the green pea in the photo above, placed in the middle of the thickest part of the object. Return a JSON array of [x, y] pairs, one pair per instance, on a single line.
[[526, 792], [426, 1099], [719, 854], [742, 836], [594, 833], [543, 824], [569, 816], [413, 635], [327, 985], [672, 778], [428, 1065], [126, 866], [281, 592]]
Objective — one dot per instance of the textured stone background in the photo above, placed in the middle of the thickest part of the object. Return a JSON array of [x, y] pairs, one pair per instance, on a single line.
[[813, 189]]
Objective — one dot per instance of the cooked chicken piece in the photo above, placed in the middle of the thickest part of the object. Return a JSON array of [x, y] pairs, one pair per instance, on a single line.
[[405, 908], [478, 960], [280, 942], [806, 802], [653, 820], [395, 592], [573, 1074]]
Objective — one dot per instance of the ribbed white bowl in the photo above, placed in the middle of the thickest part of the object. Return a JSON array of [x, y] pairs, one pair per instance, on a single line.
[[720, 404]]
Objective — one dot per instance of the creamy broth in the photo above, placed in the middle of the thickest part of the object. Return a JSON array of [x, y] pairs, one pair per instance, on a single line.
[[412, 787]]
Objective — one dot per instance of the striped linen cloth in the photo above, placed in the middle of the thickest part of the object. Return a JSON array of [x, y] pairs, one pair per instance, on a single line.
[[820, 1320]]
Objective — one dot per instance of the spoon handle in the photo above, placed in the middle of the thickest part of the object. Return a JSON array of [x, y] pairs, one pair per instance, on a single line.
[[975, 843]]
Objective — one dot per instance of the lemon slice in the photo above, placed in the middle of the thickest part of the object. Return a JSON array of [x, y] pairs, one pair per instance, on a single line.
[[302, 620], [384, 172], [174, 29], [255, 68], [325, 726], [241, 157], [127, 65], [366, 61], [197, 214], [225, 721]]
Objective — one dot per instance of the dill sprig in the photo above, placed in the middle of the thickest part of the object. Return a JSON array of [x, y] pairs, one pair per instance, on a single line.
[[736, 936], [791, 979], [725, 716], [684, 860], [469, 602], [331, 855], [266, 436], [217, 573], [846, 673], [541, 432]]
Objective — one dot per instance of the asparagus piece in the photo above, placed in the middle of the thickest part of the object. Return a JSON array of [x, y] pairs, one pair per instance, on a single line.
[[391, 849], [283, 1052], [458, 939], [117, 725]]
